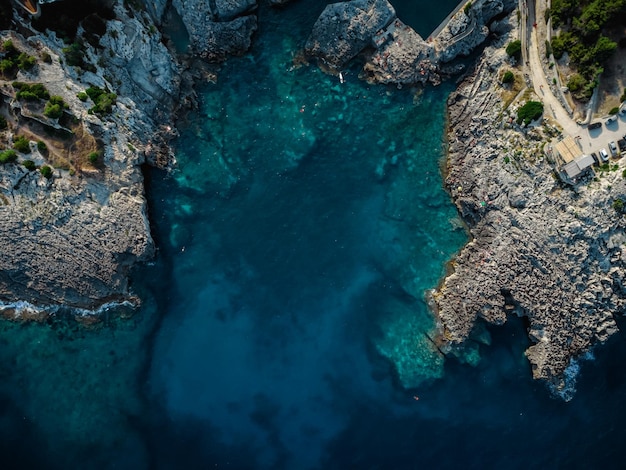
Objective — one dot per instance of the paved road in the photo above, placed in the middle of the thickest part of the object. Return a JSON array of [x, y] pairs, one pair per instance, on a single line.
[[588, 140]]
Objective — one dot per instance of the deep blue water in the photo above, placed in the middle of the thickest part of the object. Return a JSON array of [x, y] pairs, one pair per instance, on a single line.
[[284, 324]]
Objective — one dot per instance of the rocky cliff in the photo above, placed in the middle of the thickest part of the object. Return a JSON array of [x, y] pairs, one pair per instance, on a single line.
[[392, 51], [540, 250], [70, 239], [217, 28]]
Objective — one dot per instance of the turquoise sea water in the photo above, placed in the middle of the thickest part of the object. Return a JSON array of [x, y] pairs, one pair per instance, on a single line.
[[284, 325]]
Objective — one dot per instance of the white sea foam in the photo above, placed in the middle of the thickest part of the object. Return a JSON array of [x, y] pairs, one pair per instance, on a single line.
[[22, 308]]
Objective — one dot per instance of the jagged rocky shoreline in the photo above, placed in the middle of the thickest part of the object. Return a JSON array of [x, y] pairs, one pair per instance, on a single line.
[[538, 250], [71, 240]]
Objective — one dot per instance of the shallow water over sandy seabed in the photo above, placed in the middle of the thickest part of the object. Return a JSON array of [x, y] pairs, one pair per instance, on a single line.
[[285, 308]]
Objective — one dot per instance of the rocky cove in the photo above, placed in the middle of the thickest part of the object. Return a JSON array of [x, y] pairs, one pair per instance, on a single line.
[[533, 240]]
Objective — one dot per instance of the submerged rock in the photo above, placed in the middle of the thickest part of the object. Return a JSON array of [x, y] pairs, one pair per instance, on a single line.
[[405, 340]]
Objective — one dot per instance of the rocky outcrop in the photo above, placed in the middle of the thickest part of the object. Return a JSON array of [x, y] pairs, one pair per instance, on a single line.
[[70, 240], [216, 29], [344, 29], [468, 28], [402, 57], [551, 254], [224, 39], [393, 52]]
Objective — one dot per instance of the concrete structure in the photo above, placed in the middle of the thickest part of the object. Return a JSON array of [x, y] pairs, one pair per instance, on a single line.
[[571, 162], [567, 150], [573, 170]]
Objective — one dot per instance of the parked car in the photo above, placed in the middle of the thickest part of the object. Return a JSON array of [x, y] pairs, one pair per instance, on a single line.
[[595, 125], [610, 120], [594, 155], [613, 148], [622, 110], [621, 143], [604, 155]]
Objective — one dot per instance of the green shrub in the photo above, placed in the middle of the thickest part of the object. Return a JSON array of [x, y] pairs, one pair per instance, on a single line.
[[6, 65], [82, 96], [94, 93], [548, 49], [25, 61], [53, 111], [29, 165], [514, 49], [467, 8], [9, 47], [21, 144], [3, 123], [8, 156], [576, 83], [47, 58], [54, 107], [508, 77], [73, 55], [618, 205], [562, 43], [56, 99], [41, 146], [93, 157], [103, 101], [31, 91], [529, 112], [614, 110], [46, 171]]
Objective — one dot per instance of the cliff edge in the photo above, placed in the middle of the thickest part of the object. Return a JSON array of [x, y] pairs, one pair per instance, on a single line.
[[540, 249], [70, 234]]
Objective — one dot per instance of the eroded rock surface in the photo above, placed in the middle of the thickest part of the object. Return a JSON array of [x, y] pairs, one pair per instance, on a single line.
[[393, 52], [70, 240], [217, 29], [344, 29], [551, 253], [466, 30]]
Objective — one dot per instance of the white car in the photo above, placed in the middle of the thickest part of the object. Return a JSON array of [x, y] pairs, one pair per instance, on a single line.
[[604, 155], [613, 148], [610, 120]]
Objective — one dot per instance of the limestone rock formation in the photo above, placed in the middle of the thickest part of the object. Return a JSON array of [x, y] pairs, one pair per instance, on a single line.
[[394, 52], [227, 10], [402, 56], [551, 254], [467, 29], [70, 240], [216, 29], [344, 29]]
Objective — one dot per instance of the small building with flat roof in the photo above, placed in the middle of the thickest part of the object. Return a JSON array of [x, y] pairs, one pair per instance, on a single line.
[[571, 162], [571, 171], [567, 150]]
